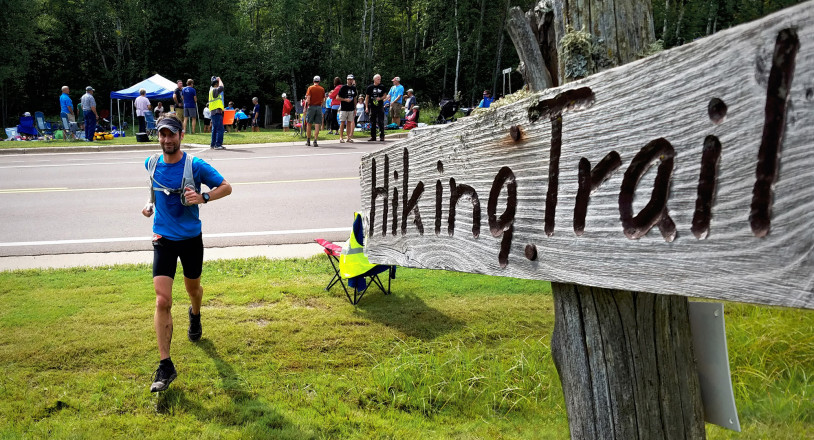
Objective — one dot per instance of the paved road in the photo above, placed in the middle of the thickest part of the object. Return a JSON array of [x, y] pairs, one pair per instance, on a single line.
[[58, 203]]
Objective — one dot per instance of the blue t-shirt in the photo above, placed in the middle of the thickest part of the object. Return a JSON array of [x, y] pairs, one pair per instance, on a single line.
[[485, 103], [240, 115], [396, 91], [65, 104], [189, 94], [173, 220]]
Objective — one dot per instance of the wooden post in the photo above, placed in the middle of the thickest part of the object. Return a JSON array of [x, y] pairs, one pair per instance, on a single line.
[[626, 364], [603, 340]]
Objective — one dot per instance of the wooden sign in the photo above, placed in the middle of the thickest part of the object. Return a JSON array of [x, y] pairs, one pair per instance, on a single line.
[[690, 172]]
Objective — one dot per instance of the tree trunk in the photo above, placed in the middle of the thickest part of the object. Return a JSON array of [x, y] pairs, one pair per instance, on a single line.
[[712, 17], [458, 57], [625, 358], [666, 14], [679, 41], [534, 69], [370, 41], [498, 70], [362, 38], [294, 86], [474, 86]]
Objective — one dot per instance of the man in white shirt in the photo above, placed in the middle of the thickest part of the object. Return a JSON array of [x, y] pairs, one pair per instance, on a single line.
[[142, 106]]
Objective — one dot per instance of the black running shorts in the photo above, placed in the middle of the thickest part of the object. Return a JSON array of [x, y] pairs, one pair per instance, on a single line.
[[166, 253]]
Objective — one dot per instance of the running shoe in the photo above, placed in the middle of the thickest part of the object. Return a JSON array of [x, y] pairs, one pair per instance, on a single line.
[[162, 378], [195, 330]]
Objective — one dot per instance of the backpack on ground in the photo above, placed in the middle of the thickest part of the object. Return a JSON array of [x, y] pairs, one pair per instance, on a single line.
[[186, 181]]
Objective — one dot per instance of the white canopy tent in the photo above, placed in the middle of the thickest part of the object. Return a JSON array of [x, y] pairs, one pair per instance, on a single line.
[[157, 87]]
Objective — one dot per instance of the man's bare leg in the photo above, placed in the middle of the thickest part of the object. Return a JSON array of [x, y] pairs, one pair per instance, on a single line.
[[163, 314]]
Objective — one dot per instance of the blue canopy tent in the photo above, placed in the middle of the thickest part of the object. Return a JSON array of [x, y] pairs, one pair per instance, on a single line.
[[157, 88]]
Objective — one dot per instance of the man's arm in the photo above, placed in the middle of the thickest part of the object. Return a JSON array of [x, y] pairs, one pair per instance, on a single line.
[[175, 98], [367, 101], [221, 191]]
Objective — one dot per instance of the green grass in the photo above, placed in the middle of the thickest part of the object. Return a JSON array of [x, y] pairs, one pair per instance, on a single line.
[[447, 356], [247, 137]]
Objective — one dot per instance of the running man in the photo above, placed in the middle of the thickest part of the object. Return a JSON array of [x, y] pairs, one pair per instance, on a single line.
[[177, 234]]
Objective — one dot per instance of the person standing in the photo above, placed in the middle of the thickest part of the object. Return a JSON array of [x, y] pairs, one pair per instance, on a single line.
[[66, 105], [374, 106], [177, 234], [142, 105], [178, 98], [360, 108], [190, 99], [255, 114], [287, 107], [335, 106], [89, 108], [216, 107], [314, 98], [347, 98], [486, 101], [411, 101], [395, 96], [207, 120]]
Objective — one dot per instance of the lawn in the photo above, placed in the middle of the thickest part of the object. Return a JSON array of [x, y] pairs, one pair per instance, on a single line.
[[247, 137], [446, 356]]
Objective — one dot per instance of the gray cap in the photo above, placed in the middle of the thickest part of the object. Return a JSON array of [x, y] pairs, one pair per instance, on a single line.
[[317, 79], [89, 88], [350, 76], [173, 124]]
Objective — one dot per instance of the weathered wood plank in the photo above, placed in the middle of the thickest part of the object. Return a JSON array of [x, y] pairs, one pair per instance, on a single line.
[[727, 91]]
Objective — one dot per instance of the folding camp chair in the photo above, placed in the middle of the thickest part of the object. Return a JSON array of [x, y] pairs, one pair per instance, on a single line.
[[44, 126], [70, 127], [344, 272], [11, 134], [26, 127], [150, 124], [363, 123]]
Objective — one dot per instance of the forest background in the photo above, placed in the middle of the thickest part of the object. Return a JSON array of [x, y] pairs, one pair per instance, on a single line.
[[265, 48]]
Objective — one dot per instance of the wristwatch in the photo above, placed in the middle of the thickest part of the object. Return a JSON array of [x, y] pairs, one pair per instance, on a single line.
[[205, 197]]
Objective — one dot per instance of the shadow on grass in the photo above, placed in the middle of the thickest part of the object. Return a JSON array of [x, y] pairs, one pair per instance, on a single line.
[[254, 417], [407, 313]]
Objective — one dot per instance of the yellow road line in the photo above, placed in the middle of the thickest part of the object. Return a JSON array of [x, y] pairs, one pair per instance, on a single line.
[[268, 182]]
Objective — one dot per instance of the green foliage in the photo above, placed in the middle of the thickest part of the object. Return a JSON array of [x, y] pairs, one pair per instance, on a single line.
[[576, 53], [446, 356], [682, 21], [260, 47]]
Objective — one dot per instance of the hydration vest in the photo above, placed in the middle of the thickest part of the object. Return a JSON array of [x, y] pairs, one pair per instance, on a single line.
[[353, 261], [186, 181], [215, 102]]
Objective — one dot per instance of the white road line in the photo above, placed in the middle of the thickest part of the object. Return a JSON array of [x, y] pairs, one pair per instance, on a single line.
[[125, 188], [217, 159], [148, 238]]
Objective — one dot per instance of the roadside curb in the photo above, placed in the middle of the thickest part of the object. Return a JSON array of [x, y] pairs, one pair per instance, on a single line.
[[142, 147]]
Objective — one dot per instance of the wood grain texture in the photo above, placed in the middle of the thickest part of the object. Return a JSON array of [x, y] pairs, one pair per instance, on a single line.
[[666, 96], [612, 390]]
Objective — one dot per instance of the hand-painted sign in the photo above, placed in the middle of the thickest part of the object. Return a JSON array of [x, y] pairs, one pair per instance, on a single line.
[[690, 172]]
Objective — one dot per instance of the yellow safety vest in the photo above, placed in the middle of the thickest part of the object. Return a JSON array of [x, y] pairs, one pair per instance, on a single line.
[[353, 261], [215, 102]]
